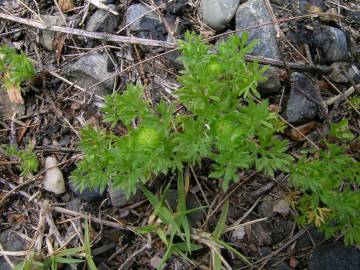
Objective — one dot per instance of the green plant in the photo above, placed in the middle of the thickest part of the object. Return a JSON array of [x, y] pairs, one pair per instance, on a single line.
[[222, 123], [329, 182], [172, 224], [28, 160], [217, 259], [16, 69], [174, 230]]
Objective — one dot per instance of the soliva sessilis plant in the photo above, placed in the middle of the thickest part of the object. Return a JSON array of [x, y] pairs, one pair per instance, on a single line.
[[222, 123]]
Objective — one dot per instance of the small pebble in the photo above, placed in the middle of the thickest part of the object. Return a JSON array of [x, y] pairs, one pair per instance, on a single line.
[[54, 179]]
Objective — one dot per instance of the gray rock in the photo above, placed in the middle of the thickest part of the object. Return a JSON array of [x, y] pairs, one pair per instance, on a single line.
[[337, 74], [217, 13], [144, 26], [103, 21], [191, 203], [10, 241], [265, 208], [255, 12], [300, 108], [331, 43], [335, 256], [10, 5], [91, 69], [89, 195], [47, 38], [74, 204], [118, 197]]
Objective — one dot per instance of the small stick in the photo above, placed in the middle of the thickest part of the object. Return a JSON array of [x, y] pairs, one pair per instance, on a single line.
[[276, 252], [89, 34], [115, 225], [334, 99], [6, 257]]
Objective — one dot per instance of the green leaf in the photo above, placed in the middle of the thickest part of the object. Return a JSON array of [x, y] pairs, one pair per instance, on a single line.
[[182, 208], [220, 226], [233, 250]]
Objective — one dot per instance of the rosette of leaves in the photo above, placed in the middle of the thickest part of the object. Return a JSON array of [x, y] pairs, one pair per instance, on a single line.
[[221, 123]]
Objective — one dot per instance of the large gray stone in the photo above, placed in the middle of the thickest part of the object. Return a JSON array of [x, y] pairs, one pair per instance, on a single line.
[[331, 43], [91, 69], [301, 106], [217, 13], [252, 13], [144, 24], [103, 21]]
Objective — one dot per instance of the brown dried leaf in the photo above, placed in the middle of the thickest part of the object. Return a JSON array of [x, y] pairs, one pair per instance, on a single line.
[[297, 134], [66, 5], [14, 93], [58, 44]]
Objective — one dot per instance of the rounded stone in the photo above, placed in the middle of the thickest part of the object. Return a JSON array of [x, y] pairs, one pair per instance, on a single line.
[[217, 13]]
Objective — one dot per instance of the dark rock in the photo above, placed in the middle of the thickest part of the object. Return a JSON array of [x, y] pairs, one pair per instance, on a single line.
[[310, 238], [89, 195], [331, 43], [217, 13], [191, 203], [255, 12], [74, 204], [10, 241], [174, 7], [91, 69], [65, 140], [103, 21], [301, 106], [335, 256], [144, 26]]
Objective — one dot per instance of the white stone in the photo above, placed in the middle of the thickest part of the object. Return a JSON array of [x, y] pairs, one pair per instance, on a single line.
[[54, 179]]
